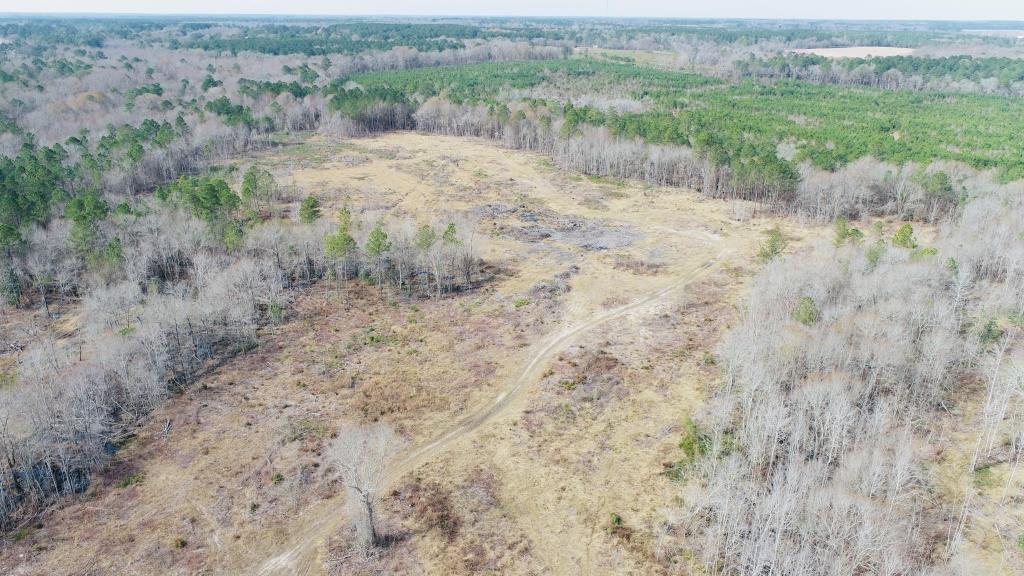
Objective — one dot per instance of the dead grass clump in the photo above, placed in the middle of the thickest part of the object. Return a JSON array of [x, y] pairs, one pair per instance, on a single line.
[[306, 429], [480, 491], [700, 321], [637, 541], [618, 528], [593, 377], [742, 211], [637, 266], [346, 557], [583, 382], [463, 525], [431, 506], [351, 160], [379, 397]]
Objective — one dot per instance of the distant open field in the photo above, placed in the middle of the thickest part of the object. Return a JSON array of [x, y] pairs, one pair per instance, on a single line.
[[857, 51], [1000, 32]]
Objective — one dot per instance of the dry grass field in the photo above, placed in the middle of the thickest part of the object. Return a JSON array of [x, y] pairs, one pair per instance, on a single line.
[[543, 410]]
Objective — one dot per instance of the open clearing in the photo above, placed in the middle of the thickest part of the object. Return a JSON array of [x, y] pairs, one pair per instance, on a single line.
[[857, 51], [537, 407], [1015, 33]]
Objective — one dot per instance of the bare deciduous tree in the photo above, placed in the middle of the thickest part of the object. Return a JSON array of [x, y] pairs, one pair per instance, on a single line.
[[815, 446], [362, 455]]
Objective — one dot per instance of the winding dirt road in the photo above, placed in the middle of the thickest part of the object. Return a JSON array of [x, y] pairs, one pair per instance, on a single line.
[[302, 555]]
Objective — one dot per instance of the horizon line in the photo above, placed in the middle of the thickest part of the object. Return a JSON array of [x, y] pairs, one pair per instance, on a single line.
[[8, 14]]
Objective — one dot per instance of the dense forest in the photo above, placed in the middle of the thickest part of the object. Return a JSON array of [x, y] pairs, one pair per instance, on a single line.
[[115, 203]]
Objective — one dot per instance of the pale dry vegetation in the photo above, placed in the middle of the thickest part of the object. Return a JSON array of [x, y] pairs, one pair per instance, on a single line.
[[823, 445]]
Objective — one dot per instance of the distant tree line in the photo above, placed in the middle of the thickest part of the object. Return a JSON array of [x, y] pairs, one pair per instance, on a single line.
[[990, 75]]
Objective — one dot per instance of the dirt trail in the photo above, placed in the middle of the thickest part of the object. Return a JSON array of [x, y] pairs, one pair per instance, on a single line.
[[302, 557]]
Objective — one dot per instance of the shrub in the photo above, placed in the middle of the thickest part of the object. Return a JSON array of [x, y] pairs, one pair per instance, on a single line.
[[133, 478], [806, 311], [305, 428], [8, 378], [991, 332], [617, 527], [210, 82], [904, 237], [874, 254], [10, 287], [844, 233], [985, 478], [694, 442], [276, 312], [773, 246], [925, 252], [953, 266], [432, 505], [309, 210], [568, 385]]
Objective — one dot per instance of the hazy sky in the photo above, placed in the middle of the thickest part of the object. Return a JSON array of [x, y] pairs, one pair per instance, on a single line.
[[866, 9]]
